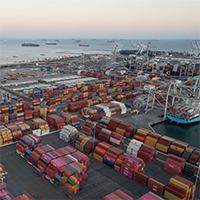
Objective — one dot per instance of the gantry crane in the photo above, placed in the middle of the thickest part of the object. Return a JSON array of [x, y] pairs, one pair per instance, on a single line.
[[115, 51], [178, 91]]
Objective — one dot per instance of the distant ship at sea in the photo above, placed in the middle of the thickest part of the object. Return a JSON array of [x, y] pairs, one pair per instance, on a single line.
[[84, 45], [30, 45], [2, 41], [77, 41], [51, 43]]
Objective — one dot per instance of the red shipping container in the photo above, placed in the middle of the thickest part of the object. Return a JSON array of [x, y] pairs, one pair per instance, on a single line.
[[156, 186], [140, 177]]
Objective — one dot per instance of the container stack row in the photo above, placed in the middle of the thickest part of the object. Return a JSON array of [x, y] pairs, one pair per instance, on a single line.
[[56, 122], [150, 195], [192, 156], [83, 142], [174, 164], [70, 119], [67, 132], [96, 112], [6, 195], [137, 148], [39, 126], [179, 188], [117, 159], [120, 127], [88, 128], [63, 100], [13, 132], [77, 106], [64, 166], [119, 195]]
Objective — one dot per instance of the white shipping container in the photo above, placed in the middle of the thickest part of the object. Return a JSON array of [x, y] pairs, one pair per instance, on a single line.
[[114, 140], [136, 142], [37, 132]]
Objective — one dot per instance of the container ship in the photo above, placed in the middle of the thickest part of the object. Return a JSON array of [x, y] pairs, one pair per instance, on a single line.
[[77, 41], [184, 114], [51, 43], [30, 45], [84, 45]]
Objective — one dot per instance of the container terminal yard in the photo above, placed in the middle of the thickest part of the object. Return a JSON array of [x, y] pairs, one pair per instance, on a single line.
[[103, 117]]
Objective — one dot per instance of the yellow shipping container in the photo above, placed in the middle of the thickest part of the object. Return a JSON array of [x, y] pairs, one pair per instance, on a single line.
[[5, 131], [189, 190], [77, 145], [5, 108], [121, 130], [152, 139], [177, 148], [6, 119], [168, 138], [162, 147], [169, 195], [47, 129], [189, 150], [143, 131], [43, 128]]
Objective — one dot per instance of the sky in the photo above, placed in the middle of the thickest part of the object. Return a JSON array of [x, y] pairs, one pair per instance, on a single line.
[[124, 19]]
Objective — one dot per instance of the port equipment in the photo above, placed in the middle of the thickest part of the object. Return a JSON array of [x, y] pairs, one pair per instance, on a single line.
[[195, 54], [187, 70], [2, 98], [143, 62], [40, 91], [115, 51], [7, 98], [180, 91]]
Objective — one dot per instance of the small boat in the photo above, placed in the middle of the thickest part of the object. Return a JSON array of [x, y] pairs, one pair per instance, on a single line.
[[15, 56], [83, 45], [30, 45], [51, 43]]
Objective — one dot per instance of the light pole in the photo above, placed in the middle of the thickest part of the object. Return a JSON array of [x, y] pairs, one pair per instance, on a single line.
[[195, 185]]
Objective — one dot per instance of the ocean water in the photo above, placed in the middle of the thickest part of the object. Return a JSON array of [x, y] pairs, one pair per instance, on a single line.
[[12, 51], [189, 133]]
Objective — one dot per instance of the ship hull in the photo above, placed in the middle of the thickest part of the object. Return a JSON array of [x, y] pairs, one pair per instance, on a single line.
[[29, 45], [182, 120]]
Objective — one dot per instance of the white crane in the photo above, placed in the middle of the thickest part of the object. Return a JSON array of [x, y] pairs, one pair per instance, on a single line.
[[195, 49], [115, 51]]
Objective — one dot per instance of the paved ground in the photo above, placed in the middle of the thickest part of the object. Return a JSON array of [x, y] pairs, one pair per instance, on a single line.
[[102, 179]]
